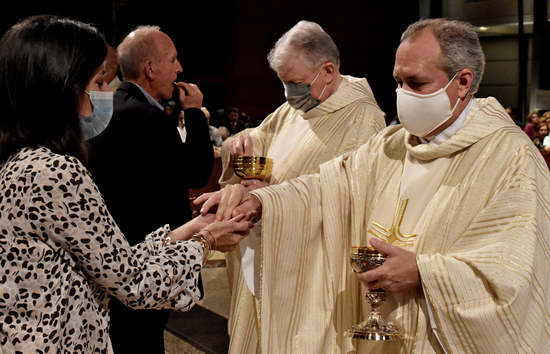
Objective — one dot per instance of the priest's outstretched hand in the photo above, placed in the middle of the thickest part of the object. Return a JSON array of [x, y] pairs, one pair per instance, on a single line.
[[231, 201], [253, 183], [399, 273]]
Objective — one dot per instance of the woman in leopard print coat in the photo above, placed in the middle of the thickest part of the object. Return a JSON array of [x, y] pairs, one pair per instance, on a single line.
[[62, 255]]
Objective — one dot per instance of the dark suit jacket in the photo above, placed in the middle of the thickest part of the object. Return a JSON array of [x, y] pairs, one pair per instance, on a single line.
[[143, 169], [240, 125]]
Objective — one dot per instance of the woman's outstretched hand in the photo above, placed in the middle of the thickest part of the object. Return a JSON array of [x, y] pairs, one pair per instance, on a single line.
[[228, 234], [223, 235]]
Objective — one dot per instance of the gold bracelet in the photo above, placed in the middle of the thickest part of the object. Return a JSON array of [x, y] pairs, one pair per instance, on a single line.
[[205, 246], [215, 240], [167, 240]]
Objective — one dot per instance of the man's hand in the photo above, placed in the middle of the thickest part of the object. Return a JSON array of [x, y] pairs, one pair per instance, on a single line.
[[231, 201], [253, 183], [398, 274], [241, 145], [190, 95]]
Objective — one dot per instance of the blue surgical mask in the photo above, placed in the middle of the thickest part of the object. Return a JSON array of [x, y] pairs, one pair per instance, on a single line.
[[93, 125], [299, 97]]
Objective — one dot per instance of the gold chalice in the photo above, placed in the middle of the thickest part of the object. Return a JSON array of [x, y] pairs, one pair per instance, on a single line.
[[249, 167], [373, 327]]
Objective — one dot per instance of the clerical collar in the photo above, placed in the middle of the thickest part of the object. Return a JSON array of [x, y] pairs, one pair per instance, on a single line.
[[451, 129], [149, 98], [332, 102]]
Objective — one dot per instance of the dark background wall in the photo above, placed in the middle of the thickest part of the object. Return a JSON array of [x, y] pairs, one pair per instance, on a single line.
[[223, 45]]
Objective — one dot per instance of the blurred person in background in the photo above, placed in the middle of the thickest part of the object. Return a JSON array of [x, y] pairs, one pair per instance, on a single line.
[[233, 124], [111, 68], [533, 120], [224, 133], [215, 137]]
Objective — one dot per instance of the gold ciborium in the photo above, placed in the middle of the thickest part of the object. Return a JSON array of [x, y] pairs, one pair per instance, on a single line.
[[373, 327], [249, 167]]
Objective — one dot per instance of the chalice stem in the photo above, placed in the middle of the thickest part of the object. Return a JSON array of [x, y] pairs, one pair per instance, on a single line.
[[375, 309], [374, 322]]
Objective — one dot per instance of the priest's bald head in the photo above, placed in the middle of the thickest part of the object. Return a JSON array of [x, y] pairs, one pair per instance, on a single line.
[[438, 67], [307, 60]]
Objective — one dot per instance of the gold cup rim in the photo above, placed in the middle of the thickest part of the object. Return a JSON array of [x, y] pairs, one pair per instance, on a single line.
[[252, 160], [366, 251], [252, 165]]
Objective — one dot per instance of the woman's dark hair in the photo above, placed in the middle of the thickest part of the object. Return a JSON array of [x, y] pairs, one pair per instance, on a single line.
[[46, 63]]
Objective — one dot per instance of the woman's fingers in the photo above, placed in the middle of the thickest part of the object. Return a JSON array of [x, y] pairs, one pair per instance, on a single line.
[[229, 233], [238, 218]]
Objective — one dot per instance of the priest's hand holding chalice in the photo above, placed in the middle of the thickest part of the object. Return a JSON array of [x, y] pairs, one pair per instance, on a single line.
[[254, 170], [399, 274], [374, 327]]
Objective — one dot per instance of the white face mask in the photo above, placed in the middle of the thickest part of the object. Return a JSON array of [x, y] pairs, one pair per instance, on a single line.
[[422, 114]]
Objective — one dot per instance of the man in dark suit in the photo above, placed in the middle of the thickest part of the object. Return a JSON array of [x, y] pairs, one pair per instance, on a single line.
[[144, 170], [233, 123]]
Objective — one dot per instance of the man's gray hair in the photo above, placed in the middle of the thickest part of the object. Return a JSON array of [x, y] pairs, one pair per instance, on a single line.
[[136, 48], [460, 47], [309, 42]]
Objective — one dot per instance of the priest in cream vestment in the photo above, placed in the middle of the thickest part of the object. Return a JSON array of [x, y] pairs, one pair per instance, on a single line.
[[460, 196], [481, 251], [298, 136]]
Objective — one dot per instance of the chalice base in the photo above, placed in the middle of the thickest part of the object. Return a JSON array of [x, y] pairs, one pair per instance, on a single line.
[[374, 328]]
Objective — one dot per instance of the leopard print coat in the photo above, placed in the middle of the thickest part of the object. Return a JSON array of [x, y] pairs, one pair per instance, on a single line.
[[62, 257]]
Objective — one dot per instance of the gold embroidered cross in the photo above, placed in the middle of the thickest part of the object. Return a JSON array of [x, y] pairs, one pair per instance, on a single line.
[[393, 236]]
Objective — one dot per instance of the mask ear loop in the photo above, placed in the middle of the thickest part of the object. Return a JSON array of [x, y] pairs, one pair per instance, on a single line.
[[322, 92], [319, 73], [469, 93], [458, 99]]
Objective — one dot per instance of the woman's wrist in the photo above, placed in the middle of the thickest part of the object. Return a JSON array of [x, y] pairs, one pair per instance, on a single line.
[[184, 232], [205, 245], [211, 239]]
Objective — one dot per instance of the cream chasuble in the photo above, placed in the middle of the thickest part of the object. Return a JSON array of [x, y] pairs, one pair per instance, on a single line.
[[298, 142], [482, 252], [417, 185]]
